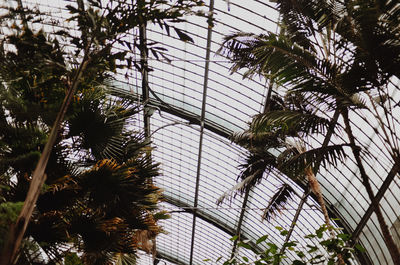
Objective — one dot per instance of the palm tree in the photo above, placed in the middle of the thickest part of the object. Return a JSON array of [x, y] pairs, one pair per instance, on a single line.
[[331, 52], [282, 128], [40, 82], [98, 199]]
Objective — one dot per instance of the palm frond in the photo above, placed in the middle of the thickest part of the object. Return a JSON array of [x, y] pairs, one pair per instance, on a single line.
[[30, 254], [125, 259], [251, 140], [252, 171], [278, 201], [372, 29], [239, 188], [98, 257], [289, 123], [55, 252], [109, 184], [296, 163], [18, 153], [256, 164], [286, 62], [238, 47], [302, 17], [100, 127], [144, 240]]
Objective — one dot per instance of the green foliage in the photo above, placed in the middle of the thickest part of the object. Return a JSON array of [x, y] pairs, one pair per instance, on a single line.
[[327, 56], [293, 163], [324, 58], [9, 212], [317, 248], [276, 142], [278, 201], [72, 259], [98, 197], [315, 35], [104, 24]]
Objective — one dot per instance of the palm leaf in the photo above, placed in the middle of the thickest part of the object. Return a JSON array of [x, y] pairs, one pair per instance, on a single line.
[[99, 126], [125, 259], [296, 163], [284, 61], [239, 188], [256, 164], [98, 257], [109, 184], [252, 172], [302, 17], [30, 254], [278, 201], [252, 140], [289, 123]]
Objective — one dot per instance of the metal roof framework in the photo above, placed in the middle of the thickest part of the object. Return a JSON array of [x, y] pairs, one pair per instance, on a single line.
[[198, 104]]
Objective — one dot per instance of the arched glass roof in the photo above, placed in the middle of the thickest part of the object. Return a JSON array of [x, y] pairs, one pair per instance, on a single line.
[[197, 104]]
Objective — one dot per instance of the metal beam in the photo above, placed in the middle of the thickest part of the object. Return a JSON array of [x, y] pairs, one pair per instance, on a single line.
[[211, 220], [375, 202], [165, 256], [145, 78], [193, 119], [307, 191], [295, 218], [267, 105], [363, 258], [179, 112], [202, 117], [388, 239], [222, 131], [202, 215]]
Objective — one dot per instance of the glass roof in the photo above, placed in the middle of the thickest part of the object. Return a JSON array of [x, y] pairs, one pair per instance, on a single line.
[[199, 164]]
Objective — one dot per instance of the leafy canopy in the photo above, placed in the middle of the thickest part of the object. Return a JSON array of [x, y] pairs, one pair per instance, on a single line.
[[98, 199]]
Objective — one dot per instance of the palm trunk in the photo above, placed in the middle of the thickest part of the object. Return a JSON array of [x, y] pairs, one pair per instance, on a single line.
[[310, 173], [393, 250], [327, 139], [316, 189]]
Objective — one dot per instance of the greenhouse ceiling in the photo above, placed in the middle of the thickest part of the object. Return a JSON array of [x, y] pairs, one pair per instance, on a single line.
[[194, 103]]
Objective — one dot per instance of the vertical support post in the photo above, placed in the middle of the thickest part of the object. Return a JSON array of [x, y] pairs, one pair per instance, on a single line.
[[145, 78], [202, 117]]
